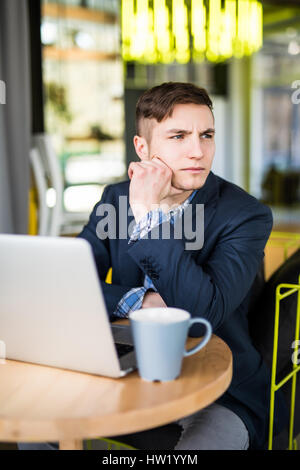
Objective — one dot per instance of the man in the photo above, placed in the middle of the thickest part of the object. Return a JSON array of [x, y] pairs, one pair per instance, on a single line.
[[175, 145]]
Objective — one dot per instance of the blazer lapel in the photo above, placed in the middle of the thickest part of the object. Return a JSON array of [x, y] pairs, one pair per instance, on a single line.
[[207, 197]]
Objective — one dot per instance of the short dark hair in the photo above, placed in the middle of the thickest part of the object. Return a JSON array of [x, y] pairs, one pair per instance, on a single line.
[[158, 102]]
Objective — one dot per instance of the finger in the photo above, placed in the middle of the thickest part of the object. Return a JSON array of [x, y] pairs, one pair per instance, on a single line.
[[137, 170], [144, 165], [161, 164], [159, 161], [148, 165], [133, 166], [156, 165], [130, 169]]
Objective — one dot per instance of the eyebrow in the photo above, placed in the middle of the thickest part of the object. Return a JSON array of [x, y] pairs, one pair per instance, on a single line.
[[210, 130]]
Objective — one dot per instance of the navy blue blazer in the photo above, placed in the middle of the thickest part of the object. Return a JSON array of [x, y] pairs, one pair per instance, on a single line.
[[213, 282]]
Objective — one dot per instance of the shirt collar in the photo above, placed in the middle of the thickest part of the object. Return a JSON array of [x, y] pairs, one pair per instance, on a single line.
[[183, 205]]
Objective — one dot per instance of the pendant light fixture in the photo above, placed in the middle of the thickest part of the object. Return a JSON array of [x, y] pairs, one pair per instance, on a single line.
[[164, 31]]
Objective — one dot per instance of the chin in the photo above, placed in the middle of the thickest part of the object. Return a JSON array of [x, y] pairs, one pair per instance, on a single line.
[[190, 182]]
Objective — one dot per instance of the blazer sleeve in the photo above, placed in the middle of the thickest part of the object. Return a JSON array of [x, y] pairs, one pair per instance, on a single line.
[[216, 288], [101, 250]]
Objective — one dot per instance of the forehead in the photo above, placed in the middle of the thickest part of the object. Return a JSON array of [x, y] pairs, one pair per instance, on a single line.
[[186, 117]]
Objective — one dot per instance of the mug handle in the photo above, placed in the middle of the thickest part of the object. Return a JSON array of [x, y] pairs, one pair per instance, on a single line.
[[204, 341]]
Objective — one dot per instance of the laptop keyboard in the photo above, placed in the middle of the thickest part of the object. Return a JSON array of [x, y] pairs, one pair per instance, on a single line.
[[123, 349]]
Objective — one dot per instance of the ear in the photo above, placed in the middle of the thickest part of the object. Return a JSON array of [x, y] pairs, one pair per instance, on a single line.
[[141, 147]]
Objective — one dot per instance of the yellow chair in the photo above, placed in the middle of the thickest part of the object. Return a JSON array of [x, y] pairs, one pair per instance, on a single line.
[[288, 243], [292, 289], [273, 335], [280, 246], [287, 240], [109, 276], [32, 213], [110, 444]]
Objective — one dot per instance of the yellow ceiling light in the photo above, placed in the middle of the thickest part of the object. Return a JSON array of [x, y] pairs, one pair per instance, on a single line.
[[162, 32], [182, 30], [198, 29]]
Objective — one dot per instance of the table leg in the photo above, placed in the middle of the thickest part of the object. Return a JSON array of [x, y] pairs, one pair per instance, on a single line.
[[75, 444]]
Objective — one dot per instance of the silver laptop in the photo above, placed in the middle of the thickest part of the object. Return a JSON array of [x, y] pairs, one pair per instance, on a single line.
[[52, 309]]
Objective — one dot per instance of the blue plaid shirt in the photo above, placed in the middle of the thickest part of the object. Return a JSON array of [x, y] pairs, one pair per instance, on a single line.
[[133, 299]]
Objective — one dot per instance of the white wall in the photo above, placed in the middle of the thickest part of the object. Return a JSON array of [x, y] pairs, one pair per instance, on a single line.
[[256, 141], [222, 161], [237, 115], [231, 121]]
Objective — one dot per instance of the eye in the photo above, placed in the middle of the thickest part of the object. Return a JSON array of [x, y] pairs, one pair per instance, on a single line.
[[208, 136], [177, 137]]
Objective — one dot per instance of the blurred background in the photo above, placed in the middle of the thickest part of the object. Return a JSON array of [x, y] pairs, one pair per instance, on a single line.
[[72, 70]]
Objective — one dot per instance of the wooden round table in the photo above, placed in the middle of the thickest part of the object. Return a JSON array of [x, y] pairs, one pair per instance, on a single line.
[[46, 404]]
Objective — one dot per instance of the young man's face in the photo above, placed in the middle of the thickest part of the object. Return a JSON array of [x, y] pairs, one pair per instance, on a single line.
[[185, 142]]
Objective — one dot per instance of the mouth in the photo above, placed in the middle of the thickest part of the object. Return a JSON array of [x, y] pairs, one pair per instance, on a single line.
[[194, 169]]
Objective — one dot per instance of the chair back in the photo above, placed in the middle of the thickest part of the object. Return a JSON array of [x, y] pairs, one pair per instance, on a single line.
[[289, 289], [274, 328], [50, 162], [41, 186]]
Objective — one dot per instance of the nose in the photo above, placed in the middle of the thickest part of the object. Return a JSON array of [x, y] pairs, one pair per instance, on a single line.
[[196, 150]]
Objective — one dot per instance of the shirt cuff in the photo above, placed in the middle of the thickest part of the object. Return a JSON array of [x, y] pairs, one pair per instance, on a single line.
[[146, 224], [131, 301]]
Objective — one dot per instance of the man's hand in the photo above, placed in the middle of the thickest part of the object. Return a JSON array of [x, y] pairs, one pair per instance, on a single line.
[[153, 299], [151, 182]]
